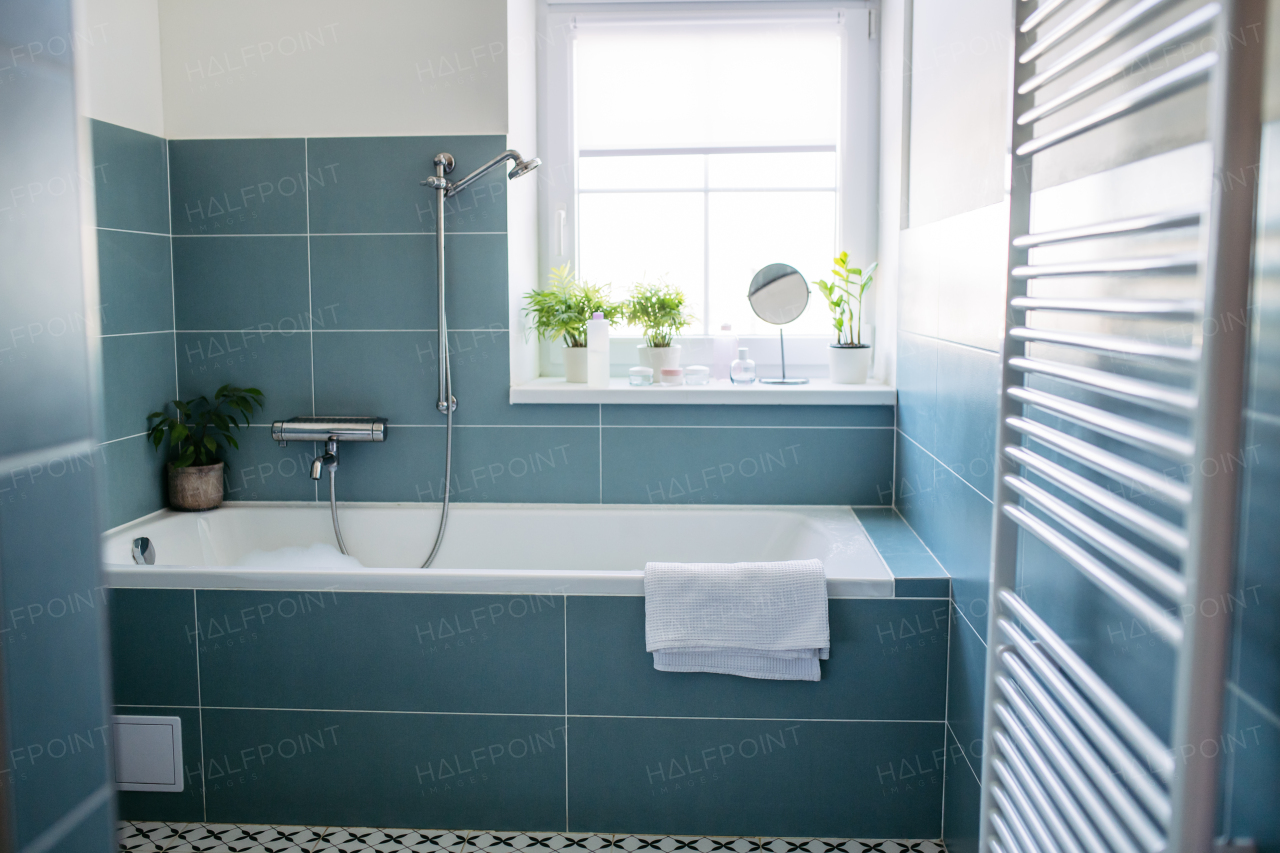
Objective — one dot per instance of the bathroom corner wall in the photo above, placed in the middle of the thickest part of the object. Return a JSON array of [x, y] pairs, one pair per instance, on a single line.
[[135, 272], [306, 267], [952, 261]]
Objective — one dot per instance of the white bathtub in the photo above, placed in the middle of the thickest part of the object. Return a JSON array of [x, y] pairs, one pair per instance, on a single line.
[[570, 549]]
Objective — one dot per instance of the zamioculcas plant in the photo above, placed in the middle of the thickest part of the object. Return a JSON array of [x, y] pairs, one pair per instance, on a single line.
[[842, 295]]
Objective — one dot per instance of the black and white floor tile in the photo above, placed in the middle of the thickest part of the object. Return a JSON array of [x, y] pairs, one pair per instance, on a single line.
[[156, 837]]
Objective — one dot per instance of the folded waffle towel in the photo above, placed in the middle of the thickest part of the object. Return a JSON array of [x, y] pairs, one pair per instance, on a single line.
[[757, 620]]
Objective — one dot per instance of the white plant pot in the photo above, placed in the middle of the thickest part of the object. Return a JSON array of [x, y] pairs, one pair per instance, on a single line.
[[575, 364], [849, 365], [658, 358]]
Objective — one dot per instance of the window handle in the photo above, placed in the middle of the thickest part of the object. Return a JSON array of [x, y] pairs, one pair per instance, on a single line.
[[561, 216]]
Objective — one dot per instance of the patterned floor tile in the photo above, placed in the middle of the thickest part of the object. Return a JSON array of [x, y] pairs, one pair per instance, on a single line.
[[824, 845], [220, 838], [372, 840], [510, 842], [690, 843], [158, 837], [146, 836]]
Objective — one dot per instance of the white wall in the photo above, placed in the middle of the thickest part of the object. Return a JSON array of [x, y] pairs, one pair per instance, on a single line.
[[894, 89], [522, 195], [244, 68], [119, 63]]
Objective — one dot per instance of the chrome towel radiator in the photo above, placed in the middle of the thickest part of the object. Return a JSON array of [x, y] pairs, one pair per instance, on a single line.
[[1122, 389]]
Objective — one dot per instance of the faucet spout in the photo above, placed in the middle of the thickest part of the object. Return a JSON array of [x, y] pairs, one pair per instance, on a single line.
[[328, 460]]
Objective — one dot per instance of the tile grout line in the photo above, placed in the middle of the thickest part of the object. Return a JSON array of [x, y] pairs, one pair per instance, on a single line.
[[311, 321], [204, 789], [146, 233], [311, 338], [893, 485], [121, 438], [964, 753], [553, 715], [139, 334], [566, 713], [1254, 704], [946, 719], [173, 289], [334, 233], [950, 470]]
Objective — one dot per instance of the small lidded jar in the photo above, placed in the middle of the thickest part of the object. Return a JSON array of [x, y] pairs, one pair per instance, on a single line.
[[641, 375], [672, 376], [696, 374]]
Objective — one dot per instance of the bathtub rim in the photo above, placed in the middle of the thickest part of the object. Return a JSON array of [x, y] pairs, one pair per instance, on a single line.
[[459, 581]]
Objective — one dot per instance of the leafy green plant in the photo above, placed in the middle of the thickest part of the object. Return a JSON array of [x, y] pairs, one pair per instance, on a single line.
[[842, 294], [195, 434], [659, 310], [564, 307]]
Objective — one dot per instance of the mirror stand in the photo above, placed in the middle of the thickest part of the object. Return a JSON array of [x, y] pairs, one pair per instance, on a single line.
[[783, 380]]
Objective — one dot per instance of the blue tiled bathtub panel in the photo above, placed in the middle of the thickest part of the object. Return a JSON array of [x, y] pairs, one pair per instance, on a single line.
[[527, 712]]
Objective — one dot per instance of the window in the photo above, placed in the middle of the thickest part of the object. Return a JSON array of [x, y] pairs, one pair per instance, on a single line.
[[696, 148]]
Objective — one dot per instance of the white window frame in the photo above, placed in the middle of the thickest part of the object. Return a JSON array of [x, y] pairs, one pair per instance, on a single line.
[[857, 152]]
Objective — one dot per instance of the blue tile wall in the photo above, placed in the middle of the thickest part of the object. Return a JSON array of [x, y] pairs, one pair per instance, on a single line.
[[895, 642], [953, 520], [966, 671], [529, 713], [962, 800], [477, 654], [58, 794], [749, 777], [238, 186], [226, 283], [135, 271], [305, 267], [362, 769]]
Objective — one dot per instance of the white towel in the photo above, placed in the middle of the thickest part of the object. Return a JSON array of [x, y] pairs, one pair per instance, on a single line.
[[757, 620]]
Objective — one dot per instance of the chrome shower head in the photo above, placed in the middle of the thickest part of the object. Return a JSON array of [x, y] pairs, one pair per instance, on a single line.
[[523, 167], [519, 166]]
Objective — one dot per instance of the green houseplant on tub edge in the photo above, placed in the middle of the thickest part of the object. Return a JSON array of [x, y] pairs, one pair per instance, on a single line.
[[196, 432]]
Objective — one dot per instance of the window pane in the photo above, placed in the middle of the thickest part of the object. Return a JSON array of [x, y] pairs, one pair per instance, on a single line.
[[650, 237], [750, 231], [757, 171], [662, 171], [704, 85]]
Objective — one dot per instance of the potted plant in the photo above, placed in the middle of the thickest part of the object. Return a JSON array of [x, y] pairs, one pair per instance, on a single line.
[[659, 310], [849, 357], [195, 436], [562, 310]]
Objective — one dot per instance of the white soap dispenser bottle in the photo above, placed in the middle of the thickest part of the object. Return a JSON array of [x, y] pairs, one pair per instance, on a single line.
[[597, 351]]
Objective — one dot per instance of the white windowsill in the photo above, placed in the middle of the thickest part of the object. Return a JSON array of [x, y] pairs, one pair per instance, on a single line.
[[818, 392]]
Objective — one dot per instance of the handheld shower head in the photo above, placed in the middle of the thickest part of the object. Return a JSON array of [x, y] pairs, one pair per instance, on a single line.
[[519, 166], [523, 167]]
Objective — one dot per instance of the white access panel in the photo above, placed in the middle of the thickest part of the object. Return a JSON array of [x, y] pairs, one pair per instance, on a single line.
[[148, 753]]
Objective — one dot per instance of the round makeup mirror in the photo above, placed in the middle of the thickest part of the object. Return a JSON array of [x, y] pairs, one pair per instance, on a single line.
[[778, 294]]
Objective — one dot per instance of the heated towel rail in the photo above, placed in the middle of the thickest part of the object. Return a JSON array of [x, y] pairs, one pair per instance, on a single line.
[[1122, 390]]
